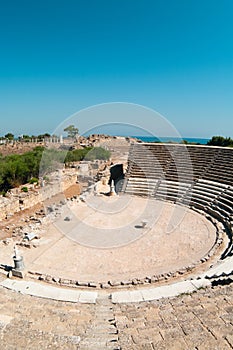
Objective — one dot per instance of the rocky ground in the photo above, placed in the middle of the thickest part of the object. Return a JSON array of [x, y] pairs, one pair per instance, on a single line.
[[14, 225]]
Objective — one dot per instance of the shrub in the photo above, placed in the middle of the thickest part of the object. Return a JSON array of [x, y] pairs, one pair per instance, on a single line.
[[33, 180], [24, 189], [98, 153], [87, 153]]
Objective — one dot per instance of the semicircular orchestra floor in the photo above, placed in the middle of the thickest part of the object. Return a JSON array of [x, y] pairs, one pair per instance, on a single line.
[[120, 238]]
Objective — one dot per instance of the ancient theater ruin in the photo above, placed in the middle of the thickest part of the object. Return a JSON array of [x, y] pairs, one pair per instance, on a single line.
[[131, 267]]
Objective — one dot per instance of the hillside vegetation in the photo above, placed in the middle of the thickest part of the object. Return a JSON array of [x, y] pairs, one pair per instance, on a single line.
[[16, 169]]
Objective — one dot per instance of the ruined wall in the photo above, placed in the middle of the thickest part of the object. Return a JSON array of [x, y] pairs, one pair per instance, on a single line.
[[17, 200]]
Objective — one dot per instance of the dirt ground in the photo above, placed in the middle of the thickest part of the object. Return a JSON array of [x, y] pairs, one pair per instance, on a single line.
[[8, 225], [73, 190], [108, 229]]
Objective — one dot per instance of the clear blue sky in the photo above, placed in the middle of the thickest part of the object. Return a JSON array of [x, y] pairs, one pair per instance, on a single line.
[[174, 56]]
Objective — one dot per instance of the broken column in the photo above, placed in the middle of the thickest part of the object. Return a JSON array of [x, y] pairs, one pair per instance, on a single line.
[[17, 271], [112, 189]]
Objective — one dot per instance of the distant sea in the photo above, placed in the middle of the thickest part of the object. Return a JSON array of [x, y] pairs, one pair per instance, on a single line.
[[172, 139]]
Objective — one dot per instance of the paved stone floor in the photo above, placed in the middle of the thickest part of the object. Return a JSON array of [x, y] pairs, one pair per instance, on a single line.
[[199, 321]]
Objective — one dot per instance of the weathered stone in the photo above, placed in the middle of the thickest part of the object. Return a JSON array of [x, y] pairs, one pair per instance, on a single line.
[[126, 282], [48, 278], [92, 284], [154, 279], [7, 241], [42, 277], [140, 281], [73, 282], [82, 284], [64, 281], [17, 273], [114, 283], [56, 279], [160, 277]]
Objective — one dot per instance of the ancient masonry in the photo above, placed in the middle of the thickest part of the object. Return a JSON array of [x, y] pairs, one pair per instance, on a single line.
[[17, 200]]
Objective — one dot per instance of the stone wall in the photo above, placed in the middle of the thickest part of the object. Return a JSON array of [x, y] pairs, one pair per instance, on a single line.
[[18, 200]]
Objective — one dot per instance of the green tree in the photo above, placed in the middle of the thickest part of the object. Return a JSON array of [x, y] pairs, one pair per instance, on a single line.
[[220, 141], [15, 172], [71, 130], [17, 169], [43, 136], [25, 138], [9, 136]]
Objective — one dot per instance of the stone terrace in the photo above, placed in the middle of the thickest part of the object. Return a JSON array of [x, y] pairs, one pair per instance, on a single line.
[[182, 163], [200, 177], [201, 320]]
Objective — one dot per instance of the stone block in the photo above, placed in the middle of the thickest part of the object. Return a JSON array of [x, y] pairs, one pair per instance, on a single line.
[[64, 281], [42, 277], [126, 283], [134, 281], [154, 279], [93, 284], [82, 284], [88, 297], [114, 283], [17, 273], [48, 278], [55, 279]]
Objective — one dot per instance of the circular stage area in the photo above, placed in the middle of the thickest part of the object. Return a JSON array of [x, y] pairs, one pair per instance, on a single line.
[[119, 239]]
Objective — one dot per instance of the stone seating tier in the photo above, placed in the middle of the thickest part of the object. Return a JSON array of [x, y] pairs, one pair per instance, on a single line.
[[198, 176]]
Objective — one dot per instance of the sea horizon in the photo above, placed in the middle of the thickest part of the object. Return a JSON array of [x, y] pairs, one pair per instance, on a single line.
[[201, 141]]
